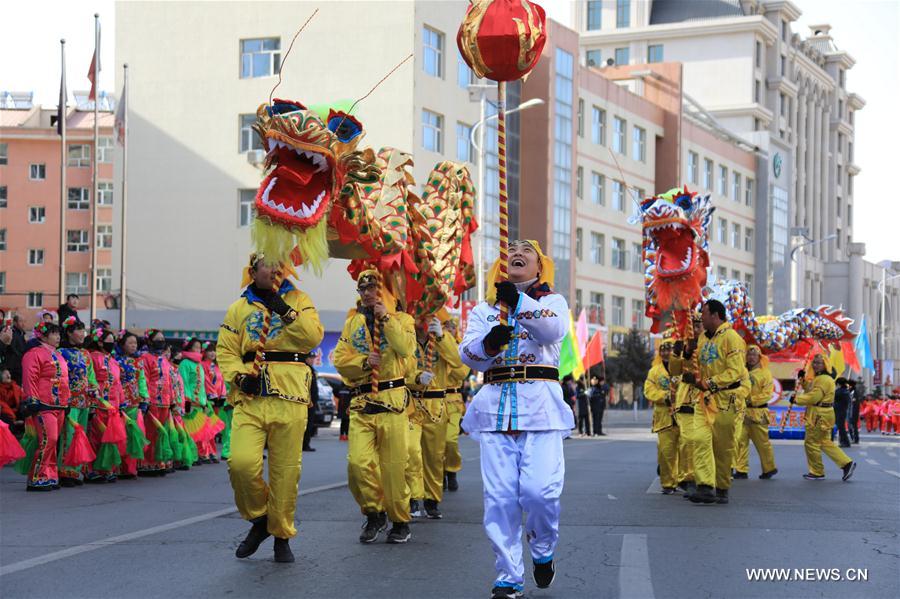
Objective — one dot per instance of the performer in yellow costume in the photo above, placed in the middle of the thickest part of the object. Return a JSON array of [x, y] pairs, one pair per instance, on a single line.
[[686, 398], [659, 389], [724, 382], [270, 406], [818, 397], [756, 418], [377, 449], [456, 407], [428, 383]]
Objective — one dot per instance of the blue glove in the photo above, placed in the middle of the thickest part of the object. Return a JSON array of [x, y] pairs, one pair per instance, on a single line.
[[143, 407]]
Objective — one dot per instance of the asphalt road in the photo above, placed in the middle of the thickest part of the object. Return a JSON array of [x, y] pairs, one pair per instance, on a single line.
[[175, 537]]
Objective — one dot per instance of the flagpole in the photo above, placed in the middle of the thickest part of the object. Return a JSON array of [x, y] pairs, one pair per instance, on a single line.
[[63, 159], [123, 296], [93, 236]]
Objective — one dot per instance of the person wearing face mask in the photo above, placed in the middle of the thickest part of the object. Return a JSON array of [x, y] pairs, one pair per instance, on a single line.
[[519, 416], [135, 398], [197, 408], [756, 419], [157, 372], [271, 394], [818, 398], [190, 453], [45, 384], [83, 390], [660, 390], [379, 426], [216, 394], [109, 447]]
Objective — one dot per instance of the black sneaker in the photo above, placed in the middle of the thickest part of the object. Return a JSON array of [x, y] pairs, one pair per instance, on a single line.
[[452, 483], [283, 553], [703, 494], [543, 574], [415, 509], [809, 476], [722, 496], [848, 471], [769, 474], [431, 510], [505, 593], [399, 533], [259, 532], [373, 525], [689, 488], [668, 490], [738, 475], [67, 482]]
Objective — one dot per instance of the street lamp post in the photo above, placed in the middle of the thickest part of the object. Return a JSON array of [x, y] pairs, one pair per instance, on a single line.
[[802, 232], [480, 93]]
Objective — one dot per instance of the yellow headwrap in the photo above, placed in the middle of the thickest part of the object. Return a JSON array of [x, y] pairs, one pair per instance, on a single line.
[[546, 274], [387, 298], [763, 358], [287, 269], [665, 341], [810, 373]]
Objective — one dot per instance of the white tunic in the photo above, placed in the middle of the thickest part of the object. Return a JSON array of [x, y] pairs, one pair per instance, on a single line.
[[540, 326]]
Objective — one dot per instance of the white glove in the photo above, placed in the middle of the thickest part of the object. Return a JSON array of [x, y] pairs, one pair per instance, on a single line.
[[425, 378], [434, 326]]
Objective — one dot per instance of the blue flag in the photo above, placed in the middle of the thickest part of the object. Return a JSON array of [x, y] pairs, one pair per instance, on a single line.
[[862, 347]]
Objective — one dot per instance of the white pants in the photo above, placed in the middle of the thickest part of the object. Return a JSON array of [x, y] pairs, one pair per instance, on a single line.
[[521, 473]]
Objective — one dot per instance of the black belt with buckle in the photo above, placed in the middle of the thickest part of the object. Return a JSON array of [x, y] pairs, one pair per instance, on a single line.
[[452, 390], [686, 410], [382, 386], [276, 356], [505, 374], [371, 408], [824, 405], [435, 394]]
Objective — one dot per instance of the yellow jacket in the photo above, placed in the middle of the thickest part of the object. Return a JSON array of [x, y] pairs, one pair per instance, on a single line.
[[686, 395], [239, 335], [351, 355], [658, 391], [447, 365], [819, 391], [723, 368], [456, 377], [761, 387]]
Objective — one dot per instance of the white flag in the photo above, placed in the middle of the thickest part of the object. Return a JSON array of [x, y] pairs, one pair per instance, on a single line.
[[120, 118]]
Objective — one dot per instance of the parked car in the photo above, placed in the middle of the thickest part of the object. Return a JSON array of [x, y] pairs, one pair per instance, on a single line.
[[325, 413]]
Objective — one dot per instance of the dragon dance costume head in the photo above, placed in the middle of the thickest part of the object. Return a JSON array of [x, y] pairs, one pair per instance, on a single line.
[[546, 270]]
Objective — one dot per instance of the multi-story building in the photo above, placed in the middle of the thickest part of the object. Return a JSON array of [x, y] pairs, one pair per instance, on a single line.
[[31, 206], [190, 206]]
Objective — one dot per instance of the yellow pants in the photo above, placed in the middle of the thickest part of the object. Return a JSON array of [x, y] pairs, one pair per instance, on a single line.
[[376, 463], [738, 431], [452, 457], [756, 429], [713, 448], [667, 456], [819, 422], [414, 476], [257, 423], [685, 447], [434, 442]]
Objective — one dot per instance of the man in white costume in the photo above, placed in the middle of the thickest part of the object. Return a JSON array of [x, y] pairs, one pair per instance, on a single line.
[[519, 417]]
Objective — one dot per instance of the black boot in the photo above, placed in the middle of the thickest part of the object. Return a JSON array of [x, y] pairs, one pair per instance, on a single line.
[[283, 553], [374, 524], [703, 494], [452, 483], [722, 496], [259, 532], [689, 489], [431, 510]]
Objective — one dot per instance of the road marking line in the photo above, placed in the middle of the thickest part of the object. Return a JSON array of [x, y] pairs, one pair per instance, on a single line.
[[611, 497], [64, 553], [654, 487], [634, 568], [863, 453], [871, 461], [892, 473], [891, 453]]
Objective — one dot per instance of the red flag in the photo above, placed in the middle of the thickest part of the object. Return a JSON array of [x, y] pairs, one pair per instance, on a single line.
[[850, 358], [93, 94], [593, 354]]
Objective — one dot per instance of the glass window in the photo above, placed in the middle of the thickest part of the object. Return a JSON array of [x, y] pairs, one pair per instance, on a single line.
[[757, 91], [623, 13], [619, 129], [735, 274], [78, 156], [104, 280], [596, 309], [4, 192], [593, 58], [578, 303], [693, 167], [782, 65], [104, 237], [564, 65], [594, 12], [598, 125], [580, 117], [2, 282], [748, 281], [618, 254], [77, 241], [105, 195], [579, 234], [35, 257], [105, 148], [35, 299], [260, 57], [637, 313], [636, 258], [655, 53], [464, 150], [598, 249], [748, 239], [246, 200], [722, 273], [707, 174], [432, 131], [723, 181], [748, 191], [79, 198], [736, 236], [621, 56], [736, 186], [618, 311], [37, 214], [464, 75], [433, 45], [723, 231], [2, 240], [638, 144], [77, 282], [618, 196], [598, 189], [248, 140], [4, 154], [37, 172], [579, 182], [758, 53]]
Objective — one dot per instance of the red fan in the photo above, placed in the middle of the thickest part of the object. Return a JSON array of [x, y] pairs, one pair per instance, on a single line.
[[80, 450], [10, 450]]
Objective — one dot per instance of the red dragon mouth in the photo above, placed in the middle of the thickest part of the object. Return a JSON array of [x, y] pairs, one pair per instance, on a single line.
[[675, 243], [298, 190]]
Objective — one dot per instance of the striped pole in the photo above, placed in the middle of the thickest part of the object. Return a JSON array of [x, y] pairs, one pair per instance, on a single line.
[[376, 339], [264, 333], [504, 198]]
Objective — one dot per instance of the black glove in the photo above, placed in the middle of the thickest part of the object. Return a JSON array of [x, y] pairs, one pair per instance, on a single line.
[[793, 400], [498, 336], [690, 378], [187, 406], [249, 384], [678, 348], [272, 301], [143, 406], [507, 293], [32, 407]]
